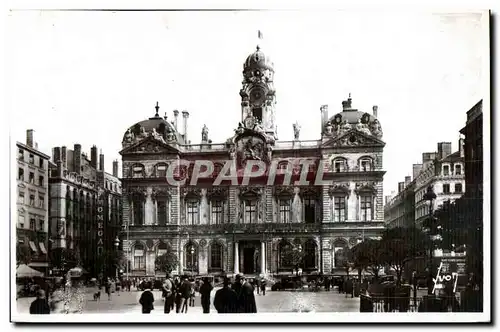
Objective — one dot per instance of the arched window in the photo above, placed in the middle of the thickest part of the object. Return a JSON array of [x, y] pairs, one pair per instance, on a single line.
[[191, 251], [216, 256], [285, 259], [339, 165], [340, 248], [161, 249], [310, 255], [138, 171], [365, 164], [139, 257]]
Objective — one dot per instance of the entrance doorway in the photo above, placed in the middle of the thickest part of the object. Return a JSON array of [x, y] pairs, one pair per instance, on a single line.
[[248, 260]]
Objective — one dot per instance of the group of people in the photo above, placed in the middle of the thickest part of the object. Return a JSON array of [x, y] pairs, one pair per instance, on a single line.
[[179, 295]]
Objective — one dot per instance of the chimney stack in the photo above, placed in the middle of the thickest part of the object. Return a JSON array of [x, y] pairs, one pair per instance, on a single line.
[[176, 123], [36, 146], [324, 116], [387, 199], [115, 168], [444, 150], [93, 157], [347, 104], [375, 111], [56, 154], [461, 144], [59, 168], [77, 158], [417, 168], [401, 186], [407, 180], [101, 162], [64, 157], [29, 138], [185, 115], [428, 158]]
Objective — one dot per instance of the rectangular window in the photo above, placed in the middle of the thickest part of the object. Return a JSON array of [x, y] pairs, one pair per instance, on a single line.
[[40, 181], [32, 224], [20, 174], [285, 210], [366, 208], [446, 188], [139, 263], [20, 155], [309, 210], [41, 201], [192, 213], [458, 169], [339, 166], [339, 209], [20, 221], [365, 165], [32, 178], [41, 162], [20, 198], [250, 212], [41, 223], [32, 200], [458, 187], [446, 170], [137, 172], [32, 159], [217, 208], [162, 212], [161, 171]]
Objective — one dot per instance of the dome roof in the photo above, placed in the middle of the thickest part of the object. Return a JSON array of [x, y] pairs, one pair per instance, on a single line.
[[258, 60], [157, 123]]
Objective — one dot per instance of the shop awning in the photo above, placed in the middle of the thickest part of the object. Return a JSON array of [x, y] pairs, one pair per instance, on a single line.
[[42, 248], [33, 246]]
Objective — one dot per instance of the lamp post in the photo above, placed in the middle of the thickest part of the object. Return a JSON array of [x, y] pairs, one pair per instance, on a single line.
[[430, 196], [192, 259], [298, 249], [117, 244]]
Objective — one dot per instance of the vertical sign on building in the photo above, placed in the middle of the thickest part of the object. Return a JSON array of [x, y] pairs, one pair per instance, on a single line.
[[100, 221]]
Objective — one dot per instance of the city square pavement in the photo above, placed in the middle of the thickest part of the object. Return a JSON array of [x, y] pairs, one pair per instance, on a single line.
[[279, 301]]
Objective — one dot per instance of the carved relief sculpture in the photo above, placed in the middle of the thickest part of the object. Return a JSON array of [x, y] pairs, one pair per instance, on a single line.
[[296, 130], [328, 128], [365, 186], [376, 129], [204, 134], [338, 187]]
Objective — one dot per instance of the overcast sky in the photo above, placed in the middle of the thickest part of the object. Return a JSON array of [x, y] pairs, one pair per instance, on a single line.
[[85, 77]]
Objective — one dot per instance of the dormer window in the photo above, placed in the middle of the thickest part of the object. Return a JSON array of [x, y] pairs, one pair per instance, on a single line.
[[365, 165], [458, 169], [339, 165], [446, 170]]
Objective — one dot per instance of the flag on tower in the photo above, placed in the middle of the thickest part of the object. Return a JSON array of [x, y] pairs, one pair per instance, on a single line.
[[261, 36]]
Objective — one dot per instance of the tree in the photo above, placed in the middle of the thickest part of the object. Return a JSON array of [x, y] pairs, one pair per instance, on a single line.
[[167, 262], [399, 246], [292, 256], [368, 256], [23, 254], [343, 258]]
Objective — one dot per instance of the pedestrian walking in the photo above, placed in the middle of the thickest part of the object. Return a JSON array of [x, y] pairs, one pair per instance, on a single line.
[[246, 299], [185, 294], [169, 292], [263, 286], [40, 306], [205, 291], [147, 299], [257, 285], [225, 301], [107, 288]]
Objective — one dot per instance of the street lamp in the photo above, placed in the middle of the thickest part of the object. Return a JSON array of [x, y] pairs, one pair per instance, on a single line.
[[192, 260], [430, 196], [117, 244]]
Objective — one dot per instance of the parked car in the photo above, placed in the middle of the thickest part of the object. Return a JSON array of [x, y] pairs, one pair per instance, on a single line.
[[287, 283]]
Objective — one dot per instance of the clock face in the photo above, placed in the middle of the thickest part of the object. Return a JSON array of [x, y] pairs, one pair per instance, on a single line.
[[257, 96]]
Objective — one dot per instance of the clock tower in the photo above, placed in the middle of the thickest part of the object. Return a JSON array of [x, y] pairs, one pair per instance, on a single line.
[[258, 96]]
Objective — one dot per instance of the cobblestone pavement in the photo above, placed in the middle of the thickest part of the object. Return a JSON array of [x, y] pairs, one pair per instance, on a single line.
[[283, 301]]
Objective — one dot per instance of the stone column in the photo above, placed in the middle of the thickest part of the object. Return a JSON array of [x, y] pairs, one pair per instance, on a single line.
[[296, 206], [203, 259], [150, 263], [155, 216], [148, 208], [204, 207], [181, 261], [263, 257], [236, 258]]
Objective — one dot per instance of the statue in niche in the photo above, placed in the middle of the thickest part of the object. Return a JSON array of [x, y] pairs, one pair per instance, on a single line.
[[129, 136], [269, 152], [376, 128], [250, 153], [296, 130], [204, 134]]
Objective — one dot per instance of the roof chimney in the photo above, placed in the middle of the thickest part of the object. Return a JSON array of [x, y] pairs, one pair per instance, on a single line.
[[176, 116], [401, 186], [115, 168], [93, 157], [346, 104], [29, 138], [417, 168], [444, 150], [407, 180], [64, 157], [101, 161], [56, 154], [375, 109], [77, 158], [324, 116], [185, 115], [387, 199], [461, 143]]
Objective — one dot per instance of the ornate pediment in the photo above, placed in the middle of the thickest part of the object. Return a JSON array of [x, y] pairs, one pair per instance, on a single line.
[[366, 186], [284, 191], [140, 191], [339, 187], [353, 138], [161, 192], [250, 191], [149, 145], [217, 192], [191, 192]]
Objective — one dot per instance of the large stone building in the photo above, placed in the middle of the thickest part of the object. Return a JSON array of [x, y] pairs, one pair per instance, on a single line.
[[32, 203], [85, 205], [237, 227], [442, 170]]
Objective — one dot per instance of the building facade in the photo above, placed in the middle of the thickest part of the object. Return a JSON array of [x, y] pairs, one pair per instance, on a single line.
[[241, 227], [442, 170], [32, 223], [85, 206]]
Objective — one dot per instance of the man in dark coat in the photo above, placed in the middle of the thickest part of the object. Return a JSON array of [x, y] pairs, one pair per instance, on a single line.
[[40, 305], [168, 293], [205, 291], [246, 297], [147, 299], [185, 292], [225, 301]]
